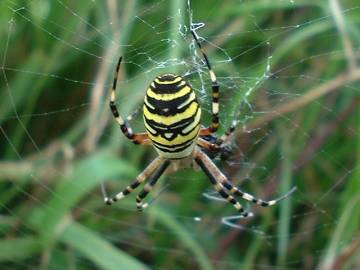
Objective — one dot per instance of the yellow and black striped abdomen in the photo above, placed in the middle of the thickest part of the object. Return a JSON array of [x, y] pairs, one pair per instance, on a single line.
[[172, 116]]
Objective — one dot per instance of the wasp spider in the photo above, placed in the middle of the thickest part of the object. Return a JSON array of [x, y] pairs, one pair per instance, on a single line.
[[172, 115]]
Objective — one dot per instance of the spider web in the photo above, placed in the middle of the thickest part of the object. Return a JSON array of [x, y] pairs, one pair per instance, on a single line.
[[287, 71]]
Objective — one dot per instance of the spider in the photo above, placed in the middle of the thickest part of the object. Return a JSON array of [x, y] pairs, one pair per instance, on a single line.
[[171, 116]]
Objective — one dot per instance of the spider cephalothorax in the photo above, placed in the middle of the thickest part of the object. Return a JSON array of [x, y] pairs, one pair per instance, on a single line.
[[172, 120]]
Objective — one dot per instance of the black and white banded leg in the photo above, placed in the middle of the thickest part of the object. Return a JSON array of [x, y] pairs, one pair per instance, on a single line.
[[137, 138], [150, 169], [229, 131], [215, 90], [234, 190], [221, 180], [219, 186], [150, 184]]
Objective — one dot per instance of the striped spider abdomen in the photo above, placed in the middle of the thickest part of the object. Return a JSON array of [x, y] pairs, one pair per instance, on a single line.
[[172, 116]]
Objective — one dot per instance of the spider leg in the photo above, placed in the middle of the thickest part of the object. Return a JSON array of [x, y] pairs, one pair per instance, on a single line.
[[212, 172], [222, 179], [150, 169], [215, 91], [212, 147], [230, 131], [137, 138], [234, 190], [149, 186]]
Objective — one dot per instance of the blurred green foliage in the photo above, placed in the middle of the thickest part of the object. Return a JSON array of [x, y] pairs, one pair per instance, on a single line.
[[59, 142]]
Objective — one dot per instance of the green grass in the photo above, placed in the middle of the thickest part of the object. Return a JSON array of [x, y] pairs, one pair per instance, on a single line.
[[298, 126]]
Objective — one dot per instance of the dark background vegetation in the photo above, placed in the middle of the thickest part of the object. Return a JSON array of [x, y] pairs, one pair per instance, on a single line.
[[299, 126]]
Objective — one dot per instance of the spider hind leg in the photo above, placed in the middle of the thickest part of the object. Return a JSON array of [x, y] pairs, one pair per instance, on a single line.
[[149, 170]]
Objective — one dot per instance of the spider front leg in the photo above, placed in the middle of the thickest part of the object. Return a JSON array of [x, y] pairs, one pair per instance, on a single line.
[[230, 131], [150, 169], [137, 138], [215, 99], [215, 91]]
